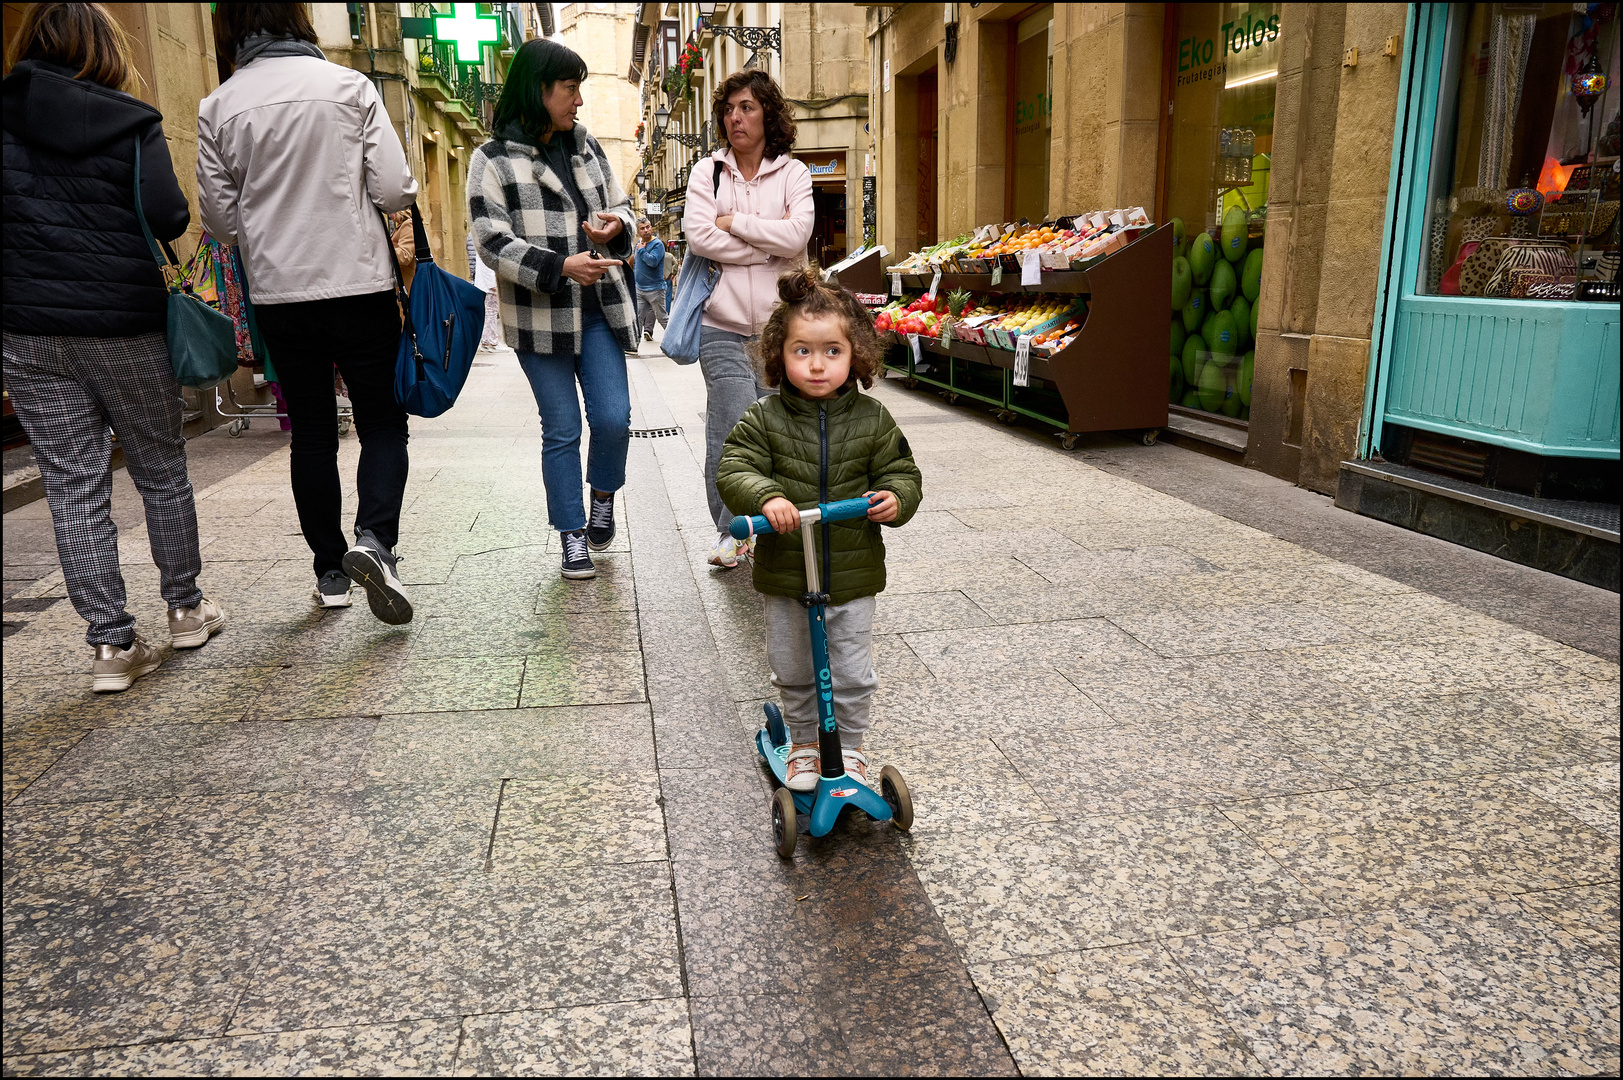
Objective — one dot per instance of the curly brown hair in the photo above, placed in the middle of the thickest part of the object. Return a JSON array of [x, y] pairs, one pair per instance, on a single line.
[[804, 292], [778, 118]]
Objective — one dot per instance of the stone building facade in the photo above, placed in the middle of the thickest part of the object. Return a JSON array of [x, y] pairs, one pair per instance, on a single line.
[[601, 34]]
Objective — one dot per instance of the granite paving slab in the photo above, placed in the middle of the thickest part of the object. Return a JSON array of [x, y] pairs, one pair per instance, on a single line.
[[27, 756], [1475, 987], [451, 684], [205, 759], [920, 712], [509, 744], [787, 1032], [928, 1025], [1429, 842], [121, 967], [62, 849], [1146, 767], [573, 677], [1588, 912], [621, 1038], [595, 820], [911, 612], [1589, 792], [1098, 882], [521, 635], [1193, 631], [962, 785], [365, 952], [419, 1048], [1124, 1010], [41, 704], [1041, 646]]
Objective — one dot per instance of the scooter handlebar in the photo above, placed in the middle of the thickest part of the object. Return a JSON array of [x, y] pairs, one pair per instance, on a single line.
[[845, 510]]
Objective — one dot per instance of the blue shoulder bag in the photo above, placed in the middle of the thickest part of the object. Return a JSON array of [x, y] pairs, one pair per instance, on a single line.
[[694, 284], [445, 317]]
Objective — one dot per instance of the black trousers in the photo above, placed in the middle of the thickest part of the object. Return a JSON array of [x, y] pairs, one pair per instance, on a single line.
[[361, 336]]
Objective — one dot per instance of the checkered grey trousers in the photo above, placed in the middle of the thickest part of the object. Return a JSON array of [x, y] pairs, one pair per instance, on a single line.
[[67, 392]]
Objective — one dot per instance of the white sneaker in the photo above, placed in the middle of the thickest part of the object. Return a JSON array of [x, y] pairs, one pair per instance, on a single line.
[[856, 766], [804, 767], [333, 590], [725, 553]]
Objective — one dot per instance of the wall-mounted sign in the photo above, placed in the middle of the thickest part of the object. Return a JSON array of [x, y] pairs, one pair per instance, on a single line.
[[468, 30], [827, 168]]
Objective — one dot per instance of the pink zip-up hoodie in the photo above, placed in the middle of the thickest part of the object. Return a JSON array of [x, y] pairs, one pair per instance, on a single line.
[[772, 220]]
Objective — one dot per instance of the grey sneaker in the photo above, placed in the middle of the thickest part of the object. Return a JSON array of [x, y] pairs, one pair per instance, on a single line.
[[190, 627], [371, 566], [115, 668], [333, 589], [577, 559]]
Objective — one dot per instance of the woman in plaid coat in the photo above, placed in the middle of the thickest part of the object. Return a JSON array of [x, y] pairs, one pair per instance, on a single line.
[[552, 222]]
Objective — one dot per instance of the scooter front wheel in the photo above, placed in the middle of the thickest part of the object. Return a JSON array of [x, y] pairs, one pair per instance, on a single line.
[[783, 822], [893, 789]]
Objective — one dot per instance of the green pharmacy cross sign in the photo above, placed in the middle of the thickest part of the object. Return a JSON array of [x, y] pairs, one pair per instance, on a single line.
[[468, 30]]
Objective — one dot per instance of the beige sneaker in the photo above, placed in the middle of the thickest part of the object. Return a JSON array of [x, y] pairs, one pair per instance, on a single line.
[[190, 627], [802, 768], [115, 669], [856, 766]]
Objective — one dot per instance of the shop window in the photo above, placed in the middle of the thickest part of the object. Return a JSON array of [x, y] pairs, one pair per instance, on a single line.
[[1523, 194], [1031, 77], [1225, 64]]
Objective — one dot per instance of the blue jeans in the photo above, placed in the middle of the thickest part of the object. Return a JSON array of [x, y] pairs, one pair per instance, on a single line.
[[601, 369]]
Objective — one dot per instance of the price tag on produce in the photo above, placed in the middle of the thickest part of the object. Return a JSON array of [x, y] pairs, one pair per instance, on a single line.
[[1031, 268], [913, 343], [1022, 360], [895, 284], [935, 283], [997, 272]]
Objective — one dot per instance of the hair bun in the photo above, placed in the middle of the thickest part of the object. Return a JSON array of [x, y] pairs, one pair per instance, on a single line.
[[794, 286]]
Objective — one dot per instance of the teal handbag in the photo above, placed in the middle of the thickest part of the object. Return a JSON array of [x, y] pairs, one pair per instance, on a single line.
[[202, 341]]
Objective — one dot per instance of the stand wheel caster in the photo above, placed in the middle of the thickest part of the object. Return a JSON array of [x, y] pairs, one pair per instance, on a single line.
[[235, 428], [343, 427], [1148, 438], [783, 822], [1068, 440], [911, 383], [952, 398], [1006, 416], [893, 789]]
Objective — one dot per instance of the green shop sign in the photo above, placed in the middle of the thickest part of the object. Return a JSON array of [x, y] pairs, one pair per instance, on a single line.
[[1250, 31], [465, 28]]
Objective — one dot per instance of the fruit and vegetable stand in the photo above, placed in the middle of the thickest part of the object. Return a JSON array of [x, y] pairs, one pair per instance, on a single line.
[[1093, 362]]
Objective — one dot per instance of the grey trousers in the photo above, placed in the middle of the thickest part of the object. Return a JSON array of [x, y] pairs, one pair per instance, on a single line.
[[850, 664], [730, 387], [67, 392], [650, 309]]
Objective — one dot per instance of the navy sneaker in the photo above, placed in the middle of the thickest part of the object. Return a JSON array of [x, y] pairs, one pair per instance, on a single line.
[[577, 558], [600, 525]]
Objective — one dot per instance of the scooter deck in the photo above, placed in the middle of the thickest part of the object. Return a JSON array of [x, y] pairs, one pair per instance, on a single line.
[[832, 795]]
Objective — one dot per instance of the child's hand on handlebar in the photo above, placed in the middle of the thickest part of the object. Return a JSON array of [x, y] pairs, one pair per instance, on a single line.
[[882, 506], [782, 514]]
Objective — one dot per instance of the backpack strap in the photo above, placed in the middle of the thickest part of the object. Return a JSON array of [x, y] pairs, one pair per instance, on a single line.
[[716, 190]]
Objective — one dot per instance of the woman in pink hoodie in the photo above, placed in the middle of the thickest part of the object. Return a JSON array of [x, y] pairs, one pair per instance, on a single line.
[[749, 210]]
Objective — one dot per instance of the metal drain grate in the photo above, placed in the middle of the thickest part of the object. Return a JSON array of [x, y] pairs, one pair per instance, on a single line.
[[655, 432]]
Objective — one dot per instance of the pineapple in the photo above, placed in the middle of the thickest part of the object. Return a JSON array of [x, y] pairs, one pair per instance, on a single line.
[[958, 303]]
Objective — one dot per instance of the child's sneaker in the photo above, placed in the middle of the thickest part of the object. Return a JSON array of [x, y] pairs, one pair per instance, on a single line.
[[725, 553], [804, 766], [856, 766], [745, 548]]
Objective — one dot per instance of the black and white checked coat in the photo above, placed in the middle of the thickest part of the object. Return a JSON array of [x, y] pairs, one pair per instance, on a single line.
[[525, 225]]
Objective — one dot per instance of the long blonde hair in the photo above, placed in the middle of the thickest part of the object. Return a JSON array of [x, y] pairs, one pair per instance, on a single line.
[[82, 36]]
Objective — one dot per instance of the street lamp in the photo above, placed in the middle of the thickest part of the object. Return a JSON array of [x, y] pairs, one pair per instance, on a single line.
[[706, 12], [662, 117]]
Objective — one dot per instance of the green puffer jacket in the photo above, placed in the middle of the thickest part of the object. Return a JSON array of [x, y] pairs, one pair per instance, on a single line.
[[810, 452]]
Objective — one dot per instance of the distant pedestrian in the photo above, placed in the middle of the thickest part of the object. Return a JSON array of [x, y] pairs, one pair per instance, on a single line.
[[553, 223], [296, 157], [84, 346], [753, 221], [820, 439], [673, 263], [650, 277]]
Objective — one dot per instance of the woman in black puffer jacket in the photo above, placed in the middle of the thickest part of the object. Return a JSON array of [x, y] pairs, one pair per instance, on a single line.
[[84, 345]]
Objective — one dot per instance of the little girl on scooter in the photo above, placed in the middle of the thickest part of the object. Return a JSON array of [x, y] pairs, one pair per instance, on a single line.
[[819, 439]]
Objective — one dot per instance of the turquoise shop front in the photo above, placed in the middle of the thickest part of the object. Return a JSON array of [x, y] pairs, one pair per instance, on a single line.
[[1497, 321]]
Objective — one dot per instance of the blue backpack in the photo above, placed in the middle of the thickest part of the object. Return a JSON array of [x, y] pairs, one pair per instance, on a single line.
[[445, 317]]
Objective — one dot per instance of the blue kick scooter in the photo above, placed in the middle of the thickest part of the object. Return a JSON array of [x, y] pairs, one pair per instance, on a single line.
[[835, 790]]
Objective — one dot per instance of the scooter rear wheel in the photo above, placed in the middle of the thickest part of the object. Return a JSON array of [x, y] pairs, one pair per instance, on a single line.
[[783, 822], [893, 789]]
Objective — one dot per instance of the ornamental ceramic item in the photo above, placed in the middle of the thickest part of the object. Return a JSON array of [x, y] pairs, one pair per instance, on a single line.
[[1588, 84]]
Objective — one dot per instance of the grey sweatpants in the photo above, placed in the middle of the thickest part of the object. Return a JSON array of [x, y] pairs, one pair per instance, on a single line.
[[850, 665], [730, 387], [650, 309], [68, 391]]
